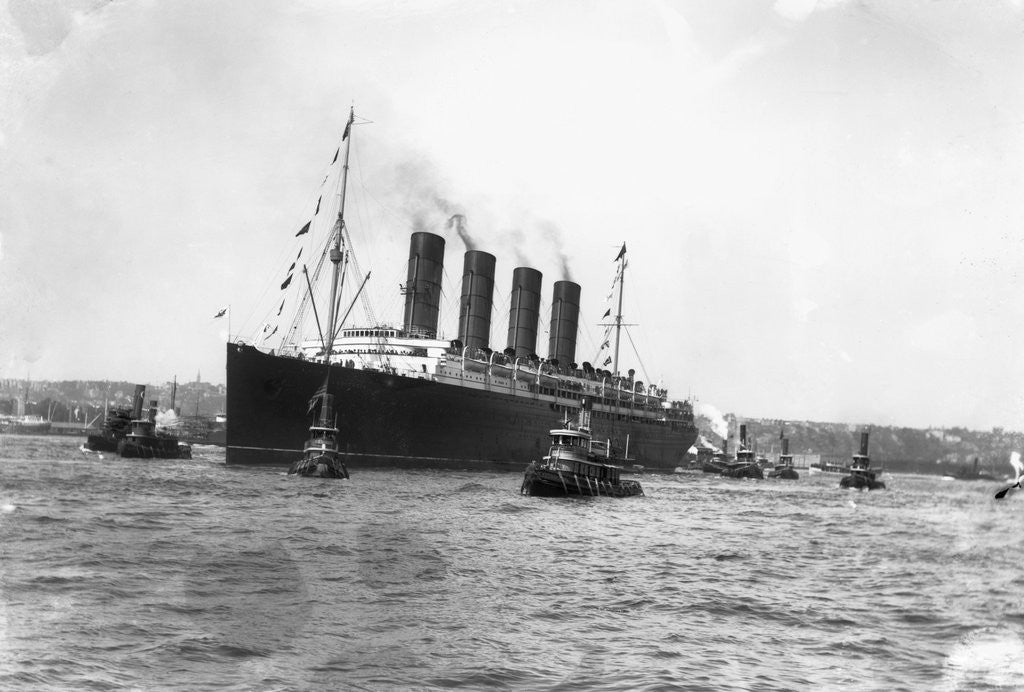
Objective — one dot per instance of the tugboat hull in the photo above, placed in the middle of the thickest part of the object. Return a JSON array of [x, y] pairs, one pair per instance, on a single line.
[[548, 483], [743, 471], [858, 482], [324, 466], [153, 448]]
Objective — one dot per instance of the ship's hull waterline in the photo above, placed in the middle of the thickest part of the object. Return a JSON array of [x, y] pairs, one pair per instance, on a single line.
[[390, 420]]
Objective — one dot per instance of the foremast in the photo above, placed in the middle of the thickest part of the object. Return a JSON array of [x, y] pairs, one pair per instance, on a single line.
[[336, 254], [320, 454], [618, 314]]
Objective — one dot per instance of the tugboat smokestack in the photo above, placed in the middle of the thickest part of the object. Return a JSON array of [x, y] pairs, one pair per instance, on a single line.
[[743, 435], [423, 286], [864, 444], [785, 446], [477, 296], [138, 400], [525, 311]]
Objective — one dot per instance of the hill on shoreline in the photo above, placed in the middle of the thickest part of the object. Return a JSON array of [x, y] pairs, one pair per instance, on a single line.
[[81, 401]]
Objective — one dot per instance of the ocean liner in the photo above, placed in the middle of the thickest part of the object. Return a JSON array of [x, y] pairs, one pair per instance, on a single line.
[[406, 397]]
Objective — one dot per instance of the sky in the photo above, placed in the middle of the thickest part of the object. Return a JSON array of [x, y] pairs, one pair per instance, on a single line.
[[820, 199]]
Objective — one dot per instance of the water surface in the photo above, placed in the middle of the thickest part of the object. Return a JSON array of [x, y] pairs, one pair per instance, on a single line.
[[158, 574]]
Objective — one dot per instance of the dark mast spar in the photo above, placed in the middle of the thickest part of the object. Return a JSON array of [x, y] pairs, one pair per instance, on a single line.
[[320, 455]]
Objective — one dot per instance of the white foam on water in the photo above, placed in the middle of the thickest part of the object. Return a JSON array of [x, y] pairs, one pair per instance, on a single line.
[[986, 657]]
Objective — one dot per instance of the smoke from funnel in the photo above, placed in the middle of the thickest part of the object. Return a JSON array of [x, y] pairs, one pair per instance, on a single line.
[[425, 203], [458, 221], [715, 418], [516, 240], [552, 233]]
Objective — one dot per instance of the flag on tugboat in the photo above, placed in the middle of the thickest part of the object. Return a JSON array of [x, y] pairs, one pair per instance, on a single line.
[[317, 396], [621, 253], [221, 313], [304, 229], [286, 282]]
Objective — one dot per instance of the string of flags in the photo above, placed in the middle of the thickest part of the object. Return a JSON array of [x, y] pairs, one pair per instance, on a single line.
[[606, 343], [306, 227]]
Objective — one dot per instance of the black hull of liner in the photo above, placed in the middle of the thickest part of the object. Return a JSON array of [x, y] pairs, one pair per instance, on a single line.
[[393, 421]]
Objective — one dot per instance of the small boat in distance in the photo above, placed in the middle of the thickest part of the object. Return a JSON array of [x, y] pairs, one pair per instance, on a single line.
[[967, 473], [715, 462], [827, 467], [24, 425], [784, 469], [745, 465], [862, 477], [131, 435], [573, 467]]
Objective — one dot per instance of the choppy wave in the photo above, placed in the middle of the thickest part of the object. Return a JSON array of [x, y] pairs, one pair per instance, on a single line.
[[188, 574]]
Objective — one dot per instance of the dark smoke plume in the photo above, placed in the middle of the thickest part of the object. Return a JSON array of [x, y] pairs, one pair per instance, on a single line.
[[459, 222], [555, 236]]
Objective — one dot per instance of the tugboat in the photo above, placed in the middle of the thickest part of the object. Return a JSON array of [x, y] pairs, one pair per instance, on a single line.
[[126, 432], [573, 467], [861, 475], [784, 469], [320, 455], [717, 461], [966, 473], [745, 465]]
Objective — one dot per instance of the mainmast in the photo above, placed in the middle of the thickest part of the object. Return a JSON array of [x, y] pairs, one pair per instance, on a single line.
[[336, 253], [618, 314]]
